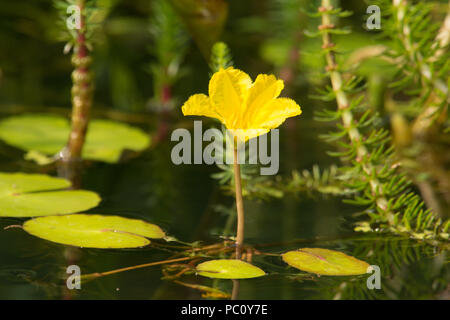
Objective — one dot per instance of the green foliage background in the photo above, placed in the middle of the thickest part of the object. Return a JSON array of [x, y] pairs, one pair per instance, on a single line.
[[150, 55]]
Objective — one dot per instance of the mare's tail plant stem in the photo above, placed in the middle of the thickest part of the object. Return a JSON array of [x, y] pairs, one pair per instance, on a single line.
[[373, 164], [81, 90], [343, 104], [239, 206]]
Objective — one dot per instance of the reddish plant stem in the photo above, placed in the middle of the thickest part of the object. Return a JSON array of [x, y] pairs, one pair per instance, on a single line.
[[145, 265], [347, 118], [81, 91]]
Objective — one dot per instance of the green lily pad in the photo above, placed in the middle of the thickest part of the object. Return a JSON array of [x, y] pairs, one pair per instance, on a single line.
[[94, 231], [32, 195], [325, 262], [48, 135], [229, 269]]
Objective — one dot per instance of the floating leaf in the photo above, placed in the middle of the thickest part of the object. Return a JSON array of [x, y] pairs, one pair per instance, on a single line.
[[105, 140], [32, 195], [229, 269], [325, 262], [94, 231]]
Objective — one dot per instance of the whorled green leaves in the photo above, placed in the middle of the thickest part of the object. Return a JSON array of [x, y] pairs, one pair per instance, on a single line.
[[31, 195], [94, 231], [325, 262], [229, 269], [47, 135]]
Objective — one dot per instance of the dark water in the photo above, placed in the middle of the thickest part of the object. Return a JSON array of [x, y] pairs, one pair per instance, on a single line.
[[182, 200]]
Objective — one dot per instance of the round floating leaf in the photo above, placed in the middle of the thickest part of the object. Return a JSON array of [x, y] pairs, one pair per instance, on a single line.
[[43, 133], [325, 262], [47, 135], [229, 269], [107, 139], [94, 231], [32, 195]]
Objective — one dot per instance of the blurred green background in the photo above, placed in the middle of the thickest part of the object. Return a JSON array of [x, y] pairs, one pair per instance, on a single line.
[[139, 54]]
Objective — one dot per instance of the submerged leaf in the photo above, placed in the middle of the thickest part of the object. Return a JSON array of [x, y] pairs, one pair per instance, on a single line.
[[40, 158], [229, 269], [325, 262], [32, 195], [47, 135], [94, 231]]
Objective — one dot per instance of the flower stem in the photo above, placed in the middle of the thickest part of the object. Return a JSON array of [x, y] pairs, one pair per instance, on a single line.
[[239, 206]]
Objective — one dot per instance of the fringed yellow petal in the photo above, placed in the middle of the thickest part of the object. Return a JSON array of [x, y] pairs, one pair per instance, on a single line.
[[265, 89], [274, 113], [199, 105], [248, 110], [228, 89]]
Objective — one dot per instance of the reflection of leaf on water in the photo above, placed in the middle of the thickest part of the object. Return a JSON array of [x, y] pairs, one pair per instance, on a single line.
[[207, 292], [429, 279], [393, 255], [400, 261], [403, 261], [204, 19], [392, 252]]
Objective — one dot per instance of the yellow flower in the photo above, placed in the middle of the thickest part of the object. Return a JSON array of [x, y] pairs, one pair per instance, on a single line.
[[248, 109]]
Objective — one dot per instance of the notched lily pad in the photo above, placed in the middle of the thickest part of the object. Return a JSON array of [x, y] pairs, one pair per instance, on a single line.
[[325, 262], [44, 135], [94, 231], [229, 269], [32, 195]]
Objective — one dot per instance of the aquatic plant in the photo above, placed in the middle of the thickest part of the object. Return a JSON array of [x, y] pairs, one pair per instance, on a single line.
[[169, 48], [248, 110], [43, 137], [419, 48], [373, 168], [34, 195], [373, 171], [82, 87]]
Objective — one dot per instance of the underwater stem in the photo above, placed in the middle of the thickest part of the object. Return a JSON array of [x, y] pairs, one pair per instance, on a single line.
[[235, 292], [151, 264], [239, 206]]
